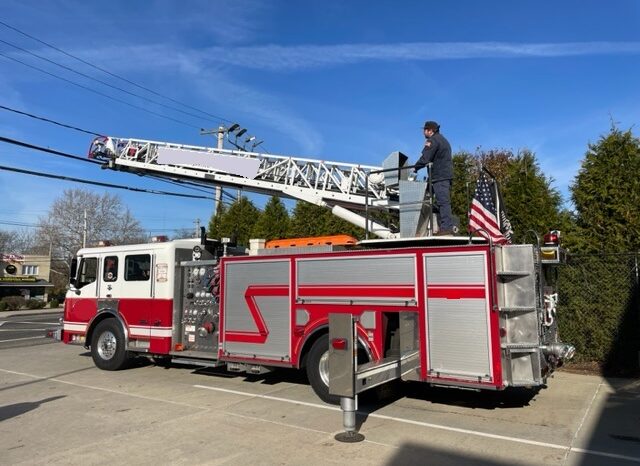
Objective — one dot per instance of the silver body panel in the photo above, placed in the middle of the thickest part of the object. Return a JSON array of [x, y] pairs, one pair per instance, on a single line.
[[458, 333], [275, 311], [357, 270], [519, 296], [342, 362]]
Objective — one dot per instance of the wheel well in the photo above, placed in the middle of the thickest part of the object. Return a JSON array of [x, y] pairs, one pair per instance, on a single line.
[[319, 333], [306, 347], [94, 323]]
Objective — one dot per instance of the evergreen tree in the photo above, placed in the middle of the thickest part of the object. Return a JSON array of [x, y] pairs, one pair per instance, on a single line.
[[606, 195], [463, 187], [274, 221], [213, 230], [312, 220], [237, 223], [307, 220], [529, 198]]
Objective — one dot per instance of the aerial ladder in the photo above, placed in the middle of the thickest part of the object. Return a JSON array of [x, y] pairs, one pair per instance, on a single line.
[[349, 190]]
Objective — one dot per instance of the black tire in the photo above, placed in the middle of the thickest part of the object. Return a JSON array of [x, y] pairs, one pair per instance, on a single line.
[[108, 346], [315, 374]]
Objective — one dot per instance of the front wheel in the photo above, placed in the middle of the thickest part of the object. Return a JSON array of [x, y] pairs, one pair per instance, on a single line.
[[318, 370], [108, 346]]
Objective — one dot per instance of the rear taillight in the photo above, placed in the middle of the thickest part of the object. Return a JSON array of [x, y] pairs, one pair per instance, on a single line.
[[552, 238], [339, 344]]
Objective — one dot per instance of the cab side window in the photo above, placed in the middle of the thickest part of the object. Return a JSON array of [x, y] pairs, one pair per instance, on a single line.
[[137, 267], [110, 273], [88, 271]]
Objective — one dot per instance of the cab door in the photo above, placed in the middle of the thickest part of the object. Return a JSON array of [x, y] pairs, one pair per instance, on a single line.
[[112, 280], [83, 296], [134, 291]]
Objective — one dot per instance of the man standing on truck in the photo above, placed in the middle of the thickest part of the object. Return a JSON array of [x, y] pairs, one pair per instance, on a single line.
[[437, 151]]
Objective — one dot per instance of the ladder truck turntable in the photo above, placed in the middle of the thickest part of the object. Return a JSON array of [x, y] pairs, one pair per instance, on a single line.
[[452, 311]]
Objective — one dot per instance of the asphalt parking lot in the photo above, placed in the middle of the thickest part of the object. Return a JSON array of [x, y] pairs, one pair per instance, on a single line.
[[56, 407]]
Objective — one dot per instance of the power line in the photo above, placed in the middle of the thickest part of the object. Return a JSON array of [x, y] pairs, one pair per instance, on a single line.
[[185, 184], [99, 183], [17, 224], [180, 183], [47, 120], [47, 150], [33, 225], [110, 73], [104, 83], [82, 86]]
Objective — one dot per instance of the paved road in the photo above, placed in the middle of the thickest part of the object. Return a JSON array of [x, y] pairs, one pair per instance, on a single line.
[[26, 330], [57, 408]]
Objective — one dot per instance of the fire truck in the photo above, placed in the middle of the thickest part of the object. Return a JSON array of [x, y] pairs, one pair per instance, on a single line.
[[458, 311]]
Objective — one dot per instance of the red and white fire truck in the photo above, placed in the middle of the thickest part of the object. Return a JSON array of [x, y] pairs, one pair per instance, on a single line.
[[455, 311]]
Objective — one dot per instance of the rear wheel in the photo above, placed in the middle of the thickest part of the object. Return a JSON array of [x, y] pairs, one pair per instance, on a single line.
[[318, 370], [108, 346]]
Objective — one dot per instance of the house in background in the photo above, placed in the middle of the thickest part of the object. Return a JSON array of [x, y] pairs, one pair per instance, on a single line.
[[25, 275]]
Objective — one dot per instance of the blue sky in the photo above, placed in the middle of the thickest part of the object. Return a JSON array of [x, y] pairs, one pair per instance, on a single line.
[[348, 81]]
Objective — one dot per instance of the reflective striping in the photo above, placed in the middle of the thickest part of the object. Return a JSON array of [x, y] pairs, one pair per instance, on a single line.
[[134, 330], [161, 332], [145, 331], [74, 327]]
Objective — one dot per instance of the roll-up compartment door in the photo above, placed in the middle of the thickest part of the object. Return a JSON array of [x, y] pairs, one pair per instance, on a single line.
[[457, 316]]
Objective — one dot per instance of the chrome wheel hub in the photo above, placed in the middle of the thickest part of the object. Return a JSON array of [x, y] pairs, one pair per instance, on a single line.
[[107, 345], [323, 368]]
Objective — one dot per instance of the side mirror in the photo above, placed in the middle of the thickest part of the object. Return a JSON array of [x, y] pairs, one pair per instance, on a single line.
[[73, 272], [71, 287]]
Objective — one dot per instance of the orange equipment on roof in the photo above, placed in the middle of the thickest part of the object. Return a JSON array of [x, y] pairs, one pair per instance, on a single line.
[[335, 240]]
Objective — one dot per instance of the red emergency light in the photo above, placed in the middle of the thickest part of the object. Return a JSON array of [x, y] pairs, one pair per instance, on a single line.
[[552, 238]]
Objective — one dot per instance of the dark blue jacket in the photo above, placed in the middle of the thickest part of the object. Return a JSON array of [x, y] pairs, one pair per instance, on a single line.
[[437, 150]]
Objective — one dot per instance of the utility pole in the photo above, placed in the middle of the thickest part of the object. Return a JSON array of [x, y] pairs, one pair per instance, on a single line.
[[216, 205], [197, 222], [220, 132], [84, 230]]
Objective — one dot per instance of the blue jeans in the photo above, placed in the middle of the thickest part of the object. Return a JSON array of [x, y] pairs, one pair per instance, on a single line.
[[441, 190]]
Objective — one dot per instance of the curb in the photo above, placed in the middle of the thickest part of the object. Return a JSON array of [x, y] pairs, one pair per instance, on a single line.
[[29, 312]]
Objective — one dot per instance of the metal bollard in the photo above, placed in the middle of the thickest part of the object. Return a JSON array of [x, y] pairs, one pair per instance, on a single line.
[[350, 435]]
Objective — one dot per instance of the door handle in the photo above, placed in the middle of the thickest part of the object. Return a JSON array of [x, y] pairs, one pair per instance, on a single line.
[[143, 322]]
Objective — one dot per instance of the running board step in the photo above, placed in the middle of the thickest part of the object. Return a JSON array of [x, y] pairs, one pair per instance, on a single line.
[[196, 362]]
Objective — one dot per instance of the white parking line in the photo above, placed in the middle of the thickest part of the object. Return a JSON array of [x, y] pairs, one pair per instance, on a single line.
[[20, 339], [334, 408], [555, 446], [22, 329], [29, 322]]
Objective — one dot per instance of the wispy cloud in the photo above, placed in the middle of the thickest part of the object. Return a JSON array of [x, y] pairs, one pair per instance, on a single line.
[[268, 109], [277, 57], [213, 83]]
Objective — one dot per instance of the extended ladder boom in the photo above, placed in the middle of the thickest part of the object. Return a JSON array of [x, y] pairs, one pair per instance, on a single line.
[[300, 178]]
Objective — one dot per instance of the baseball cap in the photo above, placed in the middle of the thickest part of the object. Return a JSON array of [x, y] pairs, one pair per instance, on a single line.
[[432, 125]]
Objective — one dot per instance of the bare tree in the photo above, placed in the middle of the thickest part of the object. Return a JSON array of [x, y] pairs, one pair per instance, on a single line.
[[183, 233], [6, 244], [107, 218], [20, 241]]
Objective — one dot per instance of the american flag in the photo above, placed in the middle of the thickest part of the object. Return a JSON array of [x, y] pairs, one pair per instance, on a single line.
[[484, 212]]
